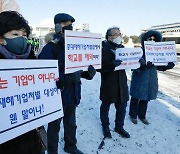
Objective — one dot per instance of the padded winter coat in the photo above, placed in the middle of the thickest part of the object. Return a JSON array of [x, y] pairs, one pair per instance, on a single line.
[[114, 86], [71, 93], [144, 81], [144, 84], [27, 143]]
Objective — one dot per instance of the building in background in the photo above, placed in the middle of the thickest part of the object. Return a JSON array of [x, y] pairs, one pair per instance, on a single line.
[[42, 29], [170, 32], [166, 28], [6, 5], [38, 32]]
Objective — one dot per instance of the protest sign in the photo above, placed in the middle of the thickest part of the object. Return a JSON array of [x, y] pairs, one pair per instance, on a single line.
[[160, 53], [81, 50], [130, 58], [29, 97]]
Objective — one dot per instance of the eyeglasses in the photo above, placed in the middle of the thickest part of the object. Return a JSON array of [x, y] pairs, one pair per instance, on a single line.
[[116, 34], [151, 39]]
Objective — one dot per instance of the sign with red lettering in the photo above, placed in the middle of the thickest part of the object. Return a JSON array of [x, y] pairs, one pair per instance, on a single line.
[[129, 57], [160, 53], [81, 50], [29, 97]]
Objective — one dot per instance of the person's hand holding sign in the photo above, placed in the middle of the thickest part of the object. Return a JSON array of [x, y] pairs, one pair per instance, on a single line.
[[91, 71], [116, 62], [170, 65]]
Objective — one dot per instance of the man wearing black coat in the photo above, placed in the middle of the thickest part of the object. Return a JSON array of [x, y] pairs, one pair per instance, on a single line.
[[114, 88], [70, 85]]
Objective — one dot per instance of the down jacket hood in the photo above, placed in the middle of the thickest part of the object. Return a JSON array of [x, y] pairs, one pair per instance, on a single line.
[[49, 37], [146, 35]]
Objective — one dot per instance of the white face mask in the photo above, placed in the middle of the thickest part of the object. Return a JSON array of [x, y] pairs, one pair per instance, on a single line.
[[117, 40]]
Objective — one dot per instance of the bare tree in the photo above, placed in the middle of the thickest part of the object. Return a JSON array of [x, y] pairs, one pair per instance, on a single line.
[[6, 5]]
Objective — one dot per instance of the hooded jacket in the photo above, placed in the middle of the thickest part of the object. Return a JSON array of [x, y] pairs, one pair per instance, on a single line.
[[144, 81]]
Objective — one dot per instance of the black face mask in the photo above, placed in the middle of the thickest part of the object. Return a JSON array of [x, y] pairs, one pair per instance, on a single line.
[[69, 27]]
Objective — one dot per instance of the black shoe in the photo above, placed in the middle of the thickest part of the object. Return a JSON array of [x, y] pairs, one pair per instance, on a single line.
[[77, 151], [134, 121], [106, 132], [122, 132], [145, 121]]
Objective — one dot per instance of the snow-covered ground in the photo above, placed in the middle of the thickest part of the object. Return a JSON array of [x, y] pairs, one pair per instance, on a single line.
[[162, 136]]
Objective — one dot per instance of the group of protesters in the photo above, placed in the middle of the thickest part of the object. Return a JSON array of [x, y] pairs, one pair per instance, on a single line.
[[14, 32]]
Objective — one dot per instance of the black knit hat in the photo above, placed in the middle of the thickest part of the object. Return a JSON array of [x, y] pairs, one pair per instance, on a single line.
[[61, 17], [148, 34]]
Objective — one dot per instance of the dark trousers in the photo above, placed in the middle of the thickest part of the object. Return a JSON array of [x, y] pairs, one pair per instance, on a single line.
[[120, 114], [138, 108], [69, 121], [27, 143]]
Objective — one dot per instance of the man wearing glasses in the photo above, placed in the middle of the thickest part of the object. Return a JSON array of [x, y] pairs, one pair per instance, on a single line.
[[114, 88]]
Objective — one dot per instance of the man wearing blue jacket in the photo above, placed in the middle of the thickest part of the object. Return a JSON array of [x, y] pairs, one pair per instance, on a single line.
[[69, 84]]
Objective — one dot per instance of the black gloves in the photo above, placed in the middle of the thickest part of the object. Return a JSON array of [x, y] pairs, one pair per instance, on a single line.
[[91, 72], [69, 79], [170, 65], [116, 62], [149, 64], [74, 77], [142, 62], [60, 84]]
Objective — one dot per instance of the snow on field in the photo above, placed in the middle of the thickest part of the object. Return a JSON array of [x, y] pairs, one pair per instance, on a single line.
[[162, 136]]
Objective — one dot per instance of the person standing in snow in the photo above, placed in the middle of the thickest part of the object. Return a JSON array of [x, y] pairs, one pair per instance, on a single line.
[[114, 88], [14, 31], [70, 86], [144, 82]]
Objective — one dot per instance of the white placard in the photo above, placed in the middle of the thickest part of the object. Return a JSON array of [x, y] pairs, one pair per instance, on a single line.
[[130, 58], [28, 96], [160, 53], [81, 50]]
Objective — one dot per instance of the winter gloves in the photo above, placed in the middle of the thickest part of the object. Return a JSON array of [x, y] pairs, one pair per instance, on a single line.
[[60, 84], [149, 65], [69, 79], [143, 64], [116, 62], [76, 77], [170, 65], [91, 72]]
